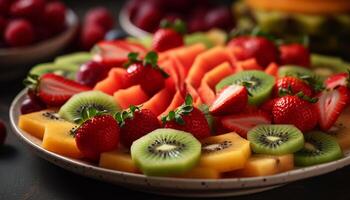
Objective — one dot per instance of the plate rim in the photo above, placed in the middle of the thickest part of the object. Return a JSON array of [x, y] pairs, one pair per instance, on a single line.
[[167, 182]]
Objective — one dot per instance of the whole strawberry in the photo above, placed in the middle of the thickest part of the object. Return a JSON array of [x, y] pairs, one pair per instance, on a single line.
[[169, 36], [291, 85], [98, 133], [260, 48], [146, 73], [294, 54], [135, 123], [188, 118], [298, 110]]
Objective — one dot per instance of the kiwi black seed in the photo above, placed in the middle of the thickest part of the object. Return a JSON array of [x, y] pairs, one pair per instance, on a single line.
[[165, 152], [259, 85], [275, 139], [51, 115], [72, 109], [319, 148], [210, 148]]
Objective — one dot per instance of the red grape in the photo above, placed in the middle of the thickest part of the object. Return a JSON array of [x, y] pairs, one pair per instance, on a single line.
[[148, 17], [90, 35], [100, 16], [27, 8], [30, 105], [19, 32], [91, 72], [220, 17]]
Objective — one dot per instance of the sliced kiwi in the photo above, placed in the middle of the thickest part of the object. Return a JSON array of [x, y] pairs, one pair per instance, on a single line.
[[327, 65], [275, 139], [72, 109], [217, 36], [166, 152], [78, 58], [319, 148], [292, 70], [260, 84], [66, 70], [198, 37]]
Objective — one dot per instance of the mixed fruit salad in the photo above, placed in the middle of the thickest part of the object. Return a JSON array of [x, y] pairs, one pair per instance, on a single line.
[[243, 108]]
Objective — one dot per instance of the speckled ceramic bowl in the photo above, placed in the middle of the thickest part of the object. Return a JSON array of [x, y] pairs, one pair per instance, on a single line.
[[170, 186]]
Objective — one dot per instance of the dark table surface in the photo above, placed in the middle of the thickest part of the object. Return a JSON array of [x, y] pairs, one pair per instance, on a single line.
[[25, 176]]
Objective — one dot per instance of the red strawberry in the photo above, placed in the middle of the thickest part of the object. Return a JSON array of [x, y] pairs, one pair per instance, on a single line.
[[136, 123], [340, 79], [232, 99], [268, 105], [295, 110], [330, 105], [260, 48], [295, 54], [99, 133], [146, 73], [115, 53], [54, 90], [168, 36], [188, 118], [291, 85], [242, 123], [2, 132]]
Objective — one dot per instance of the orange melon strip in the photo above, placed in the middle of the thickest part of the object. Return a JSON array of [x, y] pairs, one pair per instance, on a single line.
[[207, 61], [133, 95], [210, 79], [113, 82], [159, 102], [177, 101], [272, 69], [249, 64]]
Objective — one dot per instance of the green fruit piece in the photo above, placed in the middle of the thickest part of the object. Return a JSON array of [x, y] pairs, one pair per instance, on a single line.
[[66, 70], [78, 58], [291, 70], [198, 38], [145, 41], [166, 152], [332, 63], [72, 109], [319, 148], [270, 21], [217, 36], [309, 24], [275, 139], [260, 84]]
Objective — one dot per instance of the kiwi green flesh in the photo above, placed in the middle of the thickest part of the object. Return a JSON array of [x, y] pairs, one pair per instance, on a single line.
[[334, 64], [275, 139], [166, 152], [261, 84], [293, 70], [198, 37], [319, 148], [72, 109], [77, 58], [66, 70]]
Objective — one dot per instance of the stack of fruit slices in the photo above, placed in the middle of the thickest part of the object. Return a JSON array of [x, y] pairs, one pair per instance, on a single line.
[[191, 111]]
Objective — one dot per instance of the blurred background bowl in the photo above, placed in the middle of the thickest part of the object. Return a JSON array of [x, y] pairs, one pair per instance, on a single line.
[[128, 26], [15, 62]]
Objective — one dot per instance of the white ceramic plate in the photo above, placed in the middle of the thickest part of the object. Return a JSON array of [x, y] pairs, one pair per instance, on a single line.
[[14, 61], [170, 186]]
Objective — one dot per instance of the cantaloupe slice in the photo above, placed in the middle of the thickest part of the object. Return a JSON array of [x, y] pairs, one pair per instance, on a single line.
[[206, 90], [272, 69], [225, 152], [201, 173], [177, 101], [113, 82], [118, 160], [249, 64], [35, 123], [159, 102], [264, 165], [58, 139], [133, 95], [206, 61]]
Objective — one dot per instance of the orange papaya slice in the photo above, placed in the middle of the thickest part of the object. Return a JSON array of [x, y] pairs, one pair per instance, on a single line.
[[249, 64], [133, 95], [272, 69], [113, 82], [159, 102], [177, 101]]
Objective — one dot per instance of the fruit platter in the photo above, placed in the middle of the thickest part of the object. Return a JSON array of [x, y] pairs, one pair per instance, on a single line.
[[189, 115]]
